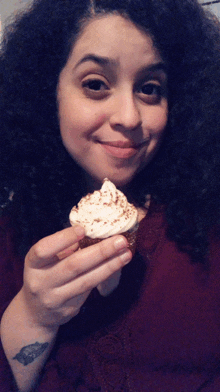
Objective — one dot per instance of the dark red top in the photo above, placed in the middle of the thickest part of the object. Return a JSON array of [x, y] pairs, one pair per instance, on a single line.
[[159, 331]]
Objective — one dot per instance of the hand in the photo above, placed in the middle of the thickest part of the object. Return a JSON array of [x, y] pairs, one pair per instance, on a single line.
[[58, 277], [105, 288]]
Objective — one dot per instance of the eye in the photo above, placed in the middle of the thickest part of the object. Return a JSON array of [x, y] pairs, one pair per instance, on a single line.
[[150, 93], [151, 89], [95, 88], [95, 85]]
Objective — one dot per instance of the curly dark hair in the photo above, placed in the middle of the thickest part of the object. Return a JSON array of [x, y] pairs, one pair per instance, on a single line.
[[36, 169]]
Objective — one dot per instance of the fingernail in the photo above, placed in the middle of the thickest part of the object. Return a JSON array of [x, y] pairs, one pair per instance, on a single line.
[[79, 230], [120, 243], [125, 256]]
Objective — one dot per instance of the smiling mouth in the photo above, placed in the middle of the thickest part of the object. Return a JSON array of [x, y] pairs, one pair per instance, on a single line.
[[122, 149], [123, 144]]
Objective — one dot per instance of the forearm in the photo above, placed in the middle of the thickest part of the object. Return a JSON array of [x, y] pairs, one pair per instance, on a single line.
[[26, 344]]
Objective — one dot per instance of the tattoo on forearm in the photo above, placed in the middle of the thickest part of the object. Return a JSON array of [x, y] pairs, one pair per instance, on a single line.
[[29, 353]]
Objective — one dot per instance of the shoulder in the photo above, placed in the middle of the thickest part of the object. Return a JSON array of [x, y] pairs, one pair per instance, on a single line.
[[153, 237]]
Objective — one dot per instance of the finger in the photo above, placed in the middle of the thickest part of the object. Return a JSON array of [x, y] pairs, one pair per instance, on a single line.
[[94, 277], [105, 288], [77, 302], [72, 306], [88, 258], [68, 251], [45, 251]]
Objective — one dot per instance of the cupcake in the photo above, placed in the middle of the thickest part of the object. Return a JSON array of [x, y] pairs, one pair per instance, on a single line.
[[105, 213]]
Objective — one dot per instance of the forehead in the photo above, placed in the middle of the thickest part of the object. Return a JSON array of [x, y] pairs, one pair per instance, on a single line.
[[110, 35]]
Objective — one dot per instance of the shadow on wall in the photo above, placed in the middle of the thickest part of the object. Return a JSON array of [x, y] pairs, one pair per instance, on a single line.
[[9, 8]]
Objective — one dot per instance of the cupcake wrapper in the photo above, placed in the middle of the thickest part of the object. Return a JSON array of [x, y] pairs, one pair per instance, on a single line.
[[131, 236]]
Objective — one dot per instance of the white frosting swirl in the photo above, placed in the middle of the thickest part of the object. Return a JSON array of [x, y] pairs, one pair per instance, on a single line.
[[105, 212]]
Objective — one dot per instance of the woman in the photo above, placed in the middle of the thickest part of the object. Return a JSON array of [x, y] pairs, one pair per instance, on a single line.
[[125, 90]]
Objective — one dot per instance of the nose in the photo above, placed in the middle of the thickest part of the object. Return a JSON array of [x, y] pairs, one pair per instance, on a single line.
[[126, 113]]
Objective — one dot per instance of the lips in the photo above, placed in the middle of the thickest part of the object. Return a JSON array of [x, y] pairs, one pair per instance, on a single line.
[[120, 144], [121, 149]]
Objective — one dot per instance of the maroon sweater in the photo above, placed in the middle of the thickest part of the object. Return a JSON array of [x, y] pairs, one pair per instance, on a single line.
[[159, 331]]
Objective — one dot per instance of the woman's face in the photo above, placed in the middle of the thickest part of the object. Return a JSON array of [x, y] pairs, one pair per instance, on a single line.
[[112, 100]]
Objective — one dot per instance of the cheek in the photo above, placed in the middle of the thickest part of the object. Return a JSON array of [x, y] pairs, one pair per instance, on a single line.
[[157, 122], [94, 122], [78, 125], [80, 119]]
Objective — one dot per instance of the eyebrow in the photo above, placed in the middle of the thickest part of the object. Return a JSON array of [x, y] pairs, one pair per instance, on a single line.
[[106, 61]]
